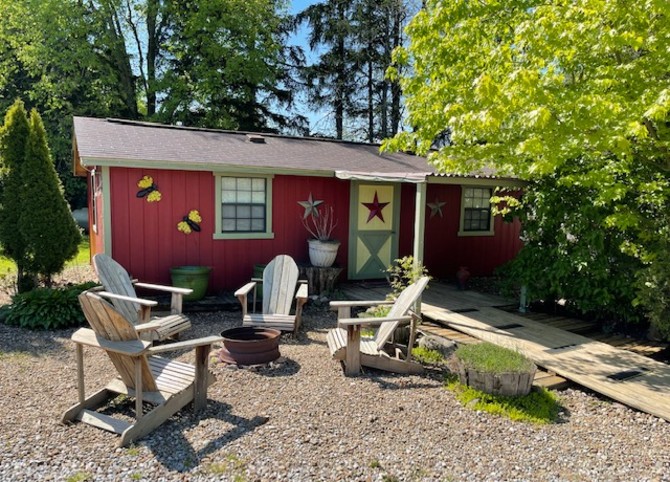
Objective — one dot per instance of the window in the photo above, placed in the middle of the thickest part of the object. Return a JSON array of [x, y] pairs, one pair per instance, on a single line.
[[476, 215], [243, 207]]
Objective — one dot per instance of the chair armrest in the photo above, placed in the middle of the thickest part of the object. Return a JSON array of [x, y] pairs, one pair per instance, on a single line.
[[180, 345], [140, 301], [302, 293], [372, 321], [244, 290], [169, 289], [86, 336], [334, 305], [257, 280]]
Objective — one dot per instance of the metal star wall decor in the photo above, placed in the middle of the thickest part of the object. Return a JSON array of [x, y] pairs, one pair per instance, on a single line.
[[375, 208], [311, 207], [436, 207]]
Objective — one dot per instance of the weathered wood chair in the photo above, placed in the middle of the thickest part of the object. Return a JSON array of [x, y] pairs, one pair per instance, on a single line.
[[347, 345], [166, 384], [120, 289], [280, 278]]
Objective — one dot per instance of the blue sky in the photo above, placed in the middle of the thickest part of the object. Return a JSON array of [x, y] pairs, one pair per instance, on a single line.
[[317, 119]]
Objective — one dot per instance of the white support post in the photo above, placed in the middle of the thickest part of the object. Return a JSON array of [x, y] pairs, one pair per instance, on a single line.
[[419, 229]]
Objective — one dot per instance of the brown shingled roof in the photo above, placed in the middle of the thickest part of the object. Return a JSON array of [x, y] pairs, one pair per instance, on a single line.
[[133, 143]]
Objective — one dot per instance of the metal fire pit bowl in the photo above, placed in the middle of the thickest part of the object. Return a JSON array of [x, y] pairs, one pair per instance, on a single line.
[[249, 345]]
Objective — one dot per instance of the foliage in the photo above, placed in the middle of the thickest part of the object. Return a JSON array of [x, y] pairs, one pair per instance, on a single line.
[[491, 358], [403, 273], [46, 308], [571, 95], [225, 65], [50, 234], [539, 406], [13, 143], [569, 254], [320, 224], [427, 356]]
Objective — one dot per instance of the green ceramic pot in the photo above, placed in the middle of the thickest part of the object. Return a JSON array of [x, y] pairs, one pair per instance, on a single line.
[[194, 277]]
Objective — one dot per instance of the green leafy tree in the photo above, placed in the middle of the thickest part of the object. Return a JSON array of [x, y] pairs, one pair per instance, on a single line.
[[50, 234], [13, 142], [573, 95]]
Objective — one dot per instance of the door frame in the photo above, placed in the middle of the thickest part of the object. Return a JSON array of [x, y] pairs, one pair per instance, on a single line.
[[394, 230]]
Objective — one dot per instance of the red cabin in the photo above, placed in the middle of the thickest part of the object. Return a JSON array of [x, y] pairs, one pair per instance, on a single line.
[[164, 196]]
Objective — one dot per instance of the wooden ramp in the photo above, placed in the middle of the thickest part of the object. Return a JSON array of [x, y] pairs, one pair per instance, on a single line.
[[627, 377]]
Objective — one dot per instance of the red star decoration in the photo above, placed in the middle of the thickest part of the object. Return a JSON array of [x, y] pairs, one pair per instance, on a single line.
[[375, 208]]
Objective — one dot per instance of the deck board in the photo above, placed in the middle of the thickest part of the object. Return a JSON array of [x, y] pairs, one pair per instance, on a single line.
[[544, 338], [575, 357]]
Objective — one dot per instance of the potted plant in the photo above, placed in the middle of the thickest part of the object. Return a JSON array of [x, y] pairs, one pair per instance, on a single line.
[[494, 369], [322, 248]]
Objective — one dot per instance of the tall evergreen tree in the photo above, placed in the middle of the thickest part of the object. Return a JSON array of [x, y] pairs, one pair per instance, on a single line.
[[13, 141], [349, 78], [331, 82], [45, 223]]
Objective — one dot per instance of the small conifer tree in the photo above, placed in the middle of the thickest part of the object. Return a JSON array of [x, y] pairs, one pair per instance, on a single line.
[[46, 224], [13, 140]]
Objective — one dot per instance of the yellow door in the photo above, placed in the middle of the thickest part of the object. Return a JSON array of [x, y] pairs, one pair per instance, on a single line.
[[373, 231]]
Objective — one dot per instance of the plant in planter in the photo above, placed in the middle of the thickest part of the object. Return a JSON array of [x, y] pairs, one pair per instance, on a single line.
[[494, 369], [322, 248]]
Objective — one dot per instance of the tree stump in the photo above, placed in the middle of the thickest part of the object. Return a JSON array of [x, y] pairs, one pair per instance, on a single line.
[[321, 281]]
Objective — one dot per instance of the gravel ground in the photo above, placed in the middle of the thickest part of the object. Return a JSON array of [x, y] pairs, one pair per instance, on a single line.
[[301, 419]]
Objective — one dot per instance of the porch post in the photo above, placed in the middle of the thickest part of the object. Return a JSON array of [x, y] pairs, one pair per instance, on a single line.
[[419, 223], [419, 231]]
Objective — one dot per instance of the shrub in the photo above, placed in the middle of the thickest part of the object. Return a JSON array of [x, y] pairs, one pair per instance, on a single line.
[[491, 358], [403, 273], [46, 308]]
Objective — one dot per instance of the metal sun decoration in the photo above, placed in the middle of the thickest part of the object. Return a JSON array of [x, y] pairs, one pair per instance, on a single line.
[[148, 189]]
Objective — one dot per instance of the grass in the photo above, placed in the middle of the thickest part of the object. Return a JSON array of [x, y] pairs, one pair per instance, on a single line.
[[491, 358], [427, 356], [538, 407], [8, 267]]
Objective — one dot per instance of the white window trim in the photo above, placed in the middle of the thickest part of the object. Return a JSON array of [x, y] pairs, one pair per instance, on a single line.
[[461, 231], [268, 234]]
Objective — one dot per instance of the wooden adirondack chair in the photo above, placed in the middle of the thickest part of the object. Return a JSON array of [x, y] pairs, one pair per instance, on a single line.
[[280, 278], [346, 344], [120, 289], [168, 385]]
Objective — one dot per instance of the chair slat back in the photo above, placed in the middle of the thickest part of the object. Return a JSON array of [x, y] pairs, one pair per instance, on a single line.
[[401, 307], [280, 279], [116, 280], [108, 323]]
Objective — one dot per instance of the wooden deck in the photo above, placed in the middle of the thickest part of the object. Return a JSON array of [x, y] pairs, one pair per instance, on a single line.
[[625, 376]]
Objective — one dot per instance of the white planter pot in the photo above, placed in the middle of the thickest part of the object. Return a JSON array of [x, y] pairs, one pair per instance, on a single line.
[[322, 253]]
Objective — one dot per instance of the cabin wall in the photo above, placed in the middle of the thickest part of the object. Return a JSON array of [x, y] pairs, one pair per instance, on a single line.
[[444, 250], [145, 239]]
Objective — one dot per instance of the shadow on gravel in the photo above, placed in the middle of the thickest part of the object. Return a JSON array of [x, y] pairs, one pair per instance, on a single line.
[[179, 455]]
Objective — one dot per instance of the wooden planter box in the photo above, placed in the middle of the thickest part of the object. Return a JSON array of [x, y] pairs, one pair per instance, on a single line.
[[508, 384]]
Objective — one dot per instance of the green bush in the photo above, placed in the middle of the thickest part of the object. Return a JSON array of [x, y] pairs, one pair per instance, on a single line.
[[46, 308], [491, 358]]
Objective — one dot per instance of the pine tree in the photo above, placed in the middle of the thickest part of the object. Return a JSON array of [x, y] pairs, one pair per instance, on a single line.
[[45, 222], [13, 140]]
